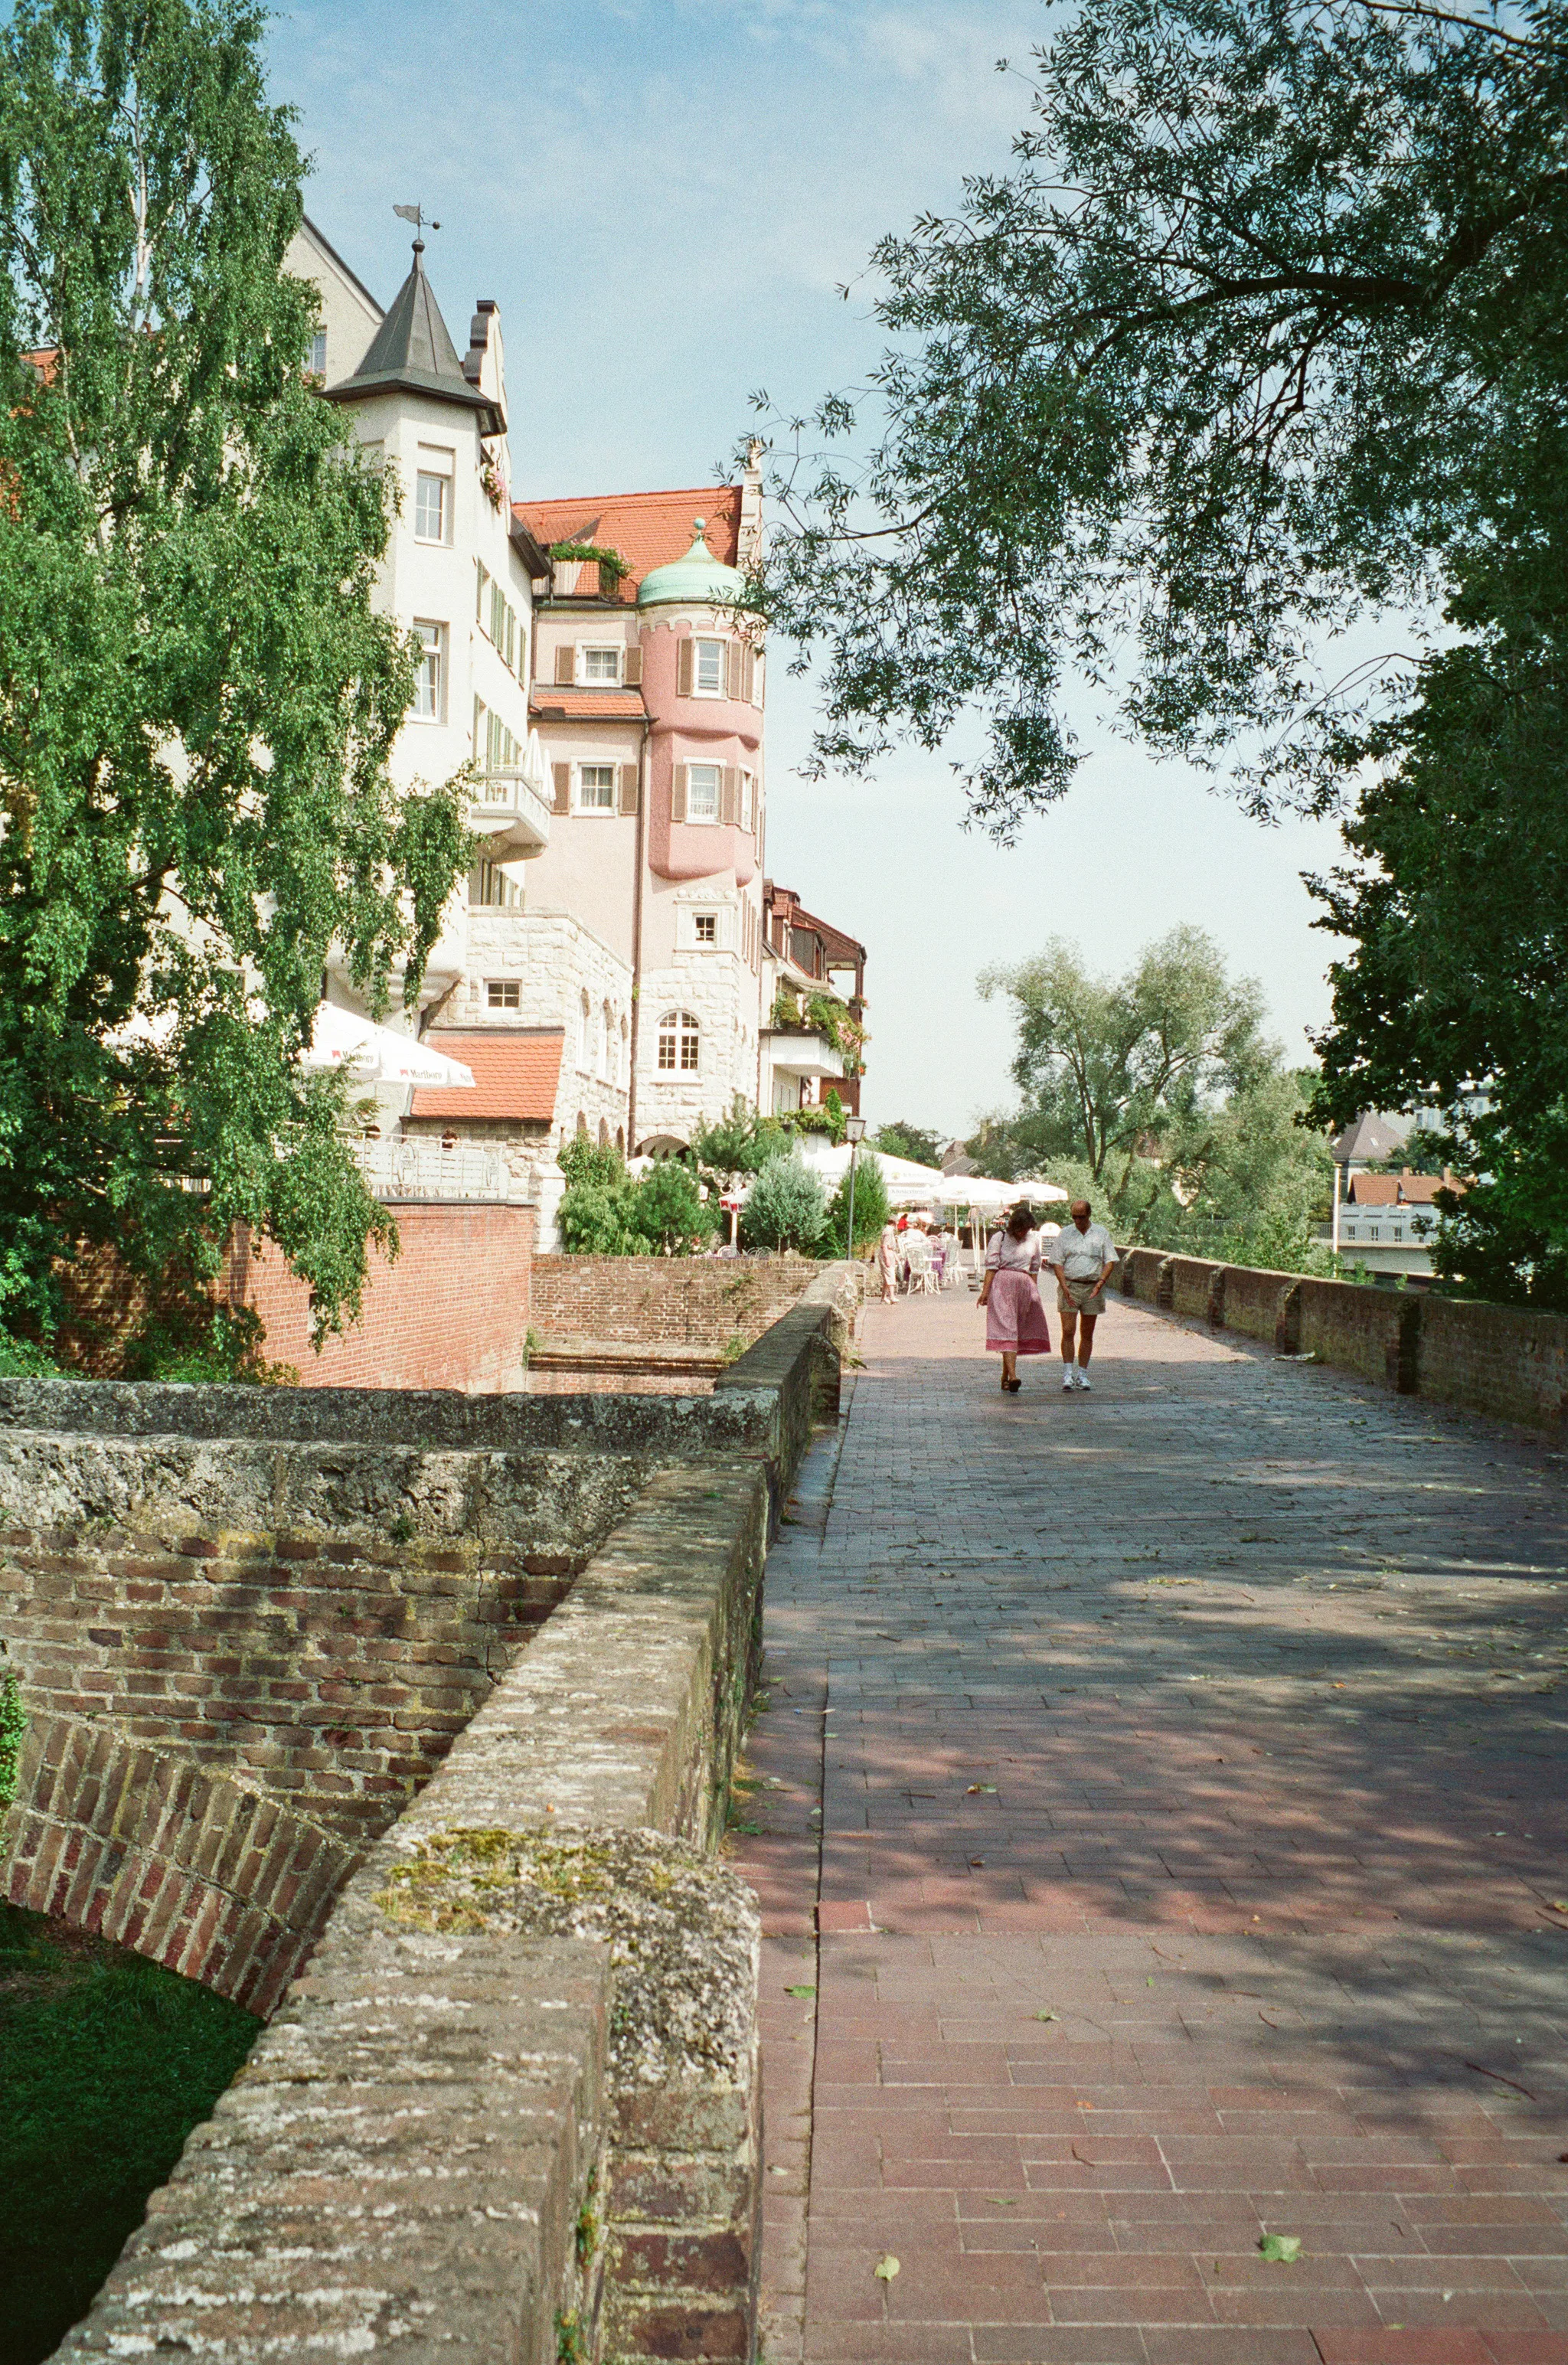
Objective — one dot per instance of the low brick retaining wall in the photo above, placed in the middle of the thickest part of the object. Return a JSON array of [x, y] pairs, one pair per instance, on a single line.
[[529, 2028], [1506, 1360], [677, 1300]]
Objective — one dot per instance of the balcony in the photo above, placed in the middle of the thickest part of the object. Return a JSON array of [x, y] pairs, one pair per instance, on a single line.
[[794, 1052], [507, 811]]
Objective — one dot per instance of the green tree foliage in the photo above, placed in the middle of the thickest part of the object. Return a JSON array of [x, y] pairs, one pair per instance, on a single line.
[[1157, 1096], [786, 1208], [606, 1211], [900, 1140], [197, 697], [871, 1211], [1453, 995], [1264, 327]]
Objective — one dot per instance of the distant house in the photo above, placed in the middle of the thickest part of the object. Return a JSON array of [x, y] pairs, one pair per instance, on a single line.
[[808, 960], [1387, 1222]]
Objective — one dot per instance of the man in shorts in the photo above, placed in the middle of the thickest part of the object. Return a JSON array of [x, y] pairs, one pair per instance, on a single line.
[[1083, 1253]]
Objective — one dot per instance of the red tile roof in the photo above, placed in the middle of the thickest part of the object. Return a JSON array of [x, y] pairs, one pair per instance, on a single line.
[[1404, 1190], [647, 529], [589, 705], [516, 1072]]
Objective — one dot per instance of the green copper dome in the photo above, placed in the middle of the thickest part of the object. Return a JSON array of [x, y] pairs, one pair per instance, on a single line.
[[698, 580]]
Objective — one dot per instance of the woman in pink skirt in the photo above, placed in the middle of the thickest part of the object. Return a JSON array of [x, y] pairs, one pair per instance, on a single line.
[[1014, 1318]]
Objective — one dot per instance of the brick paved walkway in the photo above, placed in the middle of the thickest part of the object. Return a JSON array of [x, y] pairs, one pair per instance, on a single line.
[[1191, 1801]]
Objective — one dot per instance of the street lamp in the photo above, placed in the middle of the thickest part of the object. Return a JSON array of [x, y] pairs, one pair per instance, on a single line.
[[854, 1133]]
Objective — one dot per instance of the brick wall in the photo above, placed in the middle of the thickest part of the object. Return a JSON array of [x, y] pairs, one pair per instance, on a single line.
[[686, 1301], [197, 1871], [449, 1311], [331, 1674], [1501, 1359], [1506, 1360]]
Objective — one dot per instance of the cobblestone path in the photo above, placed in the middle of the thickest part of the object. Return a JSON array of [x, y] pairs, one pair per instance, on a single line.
[[1192, 1804]]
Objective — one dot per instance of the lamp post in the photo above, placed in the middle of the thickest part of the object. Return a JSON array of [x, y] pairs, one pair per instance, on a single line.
[[854, 1133]]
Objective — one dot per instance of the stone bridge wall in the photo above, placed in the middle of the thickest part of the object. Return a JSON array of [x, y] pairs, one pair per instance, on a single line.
[[1508, 1361], [555, 2171]]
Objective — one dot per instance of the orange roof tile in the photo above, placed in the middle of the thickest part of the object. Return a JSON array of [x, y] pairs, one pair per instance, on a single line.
[[648, 528], [1400, 1190], [516, 1072], [587, 705]]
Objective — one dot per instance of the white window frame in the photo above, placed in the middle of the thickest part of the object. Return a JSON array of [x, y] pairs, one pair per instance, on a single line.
[[579, 786], [705, 930], [679, 1030], [610, 649], [700, 644], [503, 993], [430, 702], [704, 820], [318, 362]]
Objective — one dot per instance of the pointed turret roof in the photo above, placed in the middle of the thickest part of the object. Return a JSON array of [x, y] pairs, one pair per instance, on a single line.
[[411, 352]]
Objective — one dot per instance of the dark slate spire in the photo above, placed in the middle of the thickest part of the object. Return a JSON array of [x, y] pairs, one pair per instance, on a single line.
[[411, 352]]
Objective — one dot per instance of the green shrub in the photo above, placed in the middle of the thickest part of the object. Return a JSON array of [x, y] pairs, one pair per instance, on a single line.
[[786, 1208], [605, 1212], [20, 1359], [870, 1211]]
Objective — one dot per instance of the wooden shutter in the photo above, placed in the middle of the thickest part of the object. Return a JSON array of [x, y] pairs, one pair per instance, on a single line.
[[684, 653], [748, 687], [677, 790], [632, 674], [628, 787], [730, 797], [562, 776], [566, 666], [732, 670]]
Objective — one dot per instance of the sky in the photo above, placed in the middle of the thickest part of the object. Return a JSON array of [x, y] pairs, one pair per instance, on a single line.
[[666, 198]]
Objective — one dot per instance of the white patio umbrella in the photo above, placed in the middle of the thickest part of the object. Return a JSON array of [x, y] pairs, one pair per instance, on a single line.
[[376, 1055]]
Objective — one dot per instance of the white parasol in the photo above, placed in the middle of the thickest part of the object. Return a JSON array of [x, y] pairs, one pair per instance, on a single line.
[[376, 1055]]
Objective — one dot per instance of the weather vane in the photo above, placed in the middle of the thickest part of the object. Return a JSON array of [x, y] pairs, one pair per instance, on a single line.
[[413, 214]]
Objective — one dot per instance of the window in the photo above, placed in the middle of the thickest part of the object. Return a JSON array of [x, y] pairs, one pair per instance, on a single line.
[[1399, 1231], [708, 671], [596, 788], [1349, 1231], [605, 1027], [503, 993], [428, 705], [430, 507], [678, 1043], [601, 664], [1373, 1232], [749, 803], [706, 924], [702, 792], [319, 353], [585, 1043], [490, 890]]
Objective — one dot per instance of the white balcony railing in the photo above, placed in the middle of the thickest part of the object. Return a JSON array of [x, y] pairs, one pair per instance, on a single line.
[[425, 1169], [793, 1052], [509, 813]]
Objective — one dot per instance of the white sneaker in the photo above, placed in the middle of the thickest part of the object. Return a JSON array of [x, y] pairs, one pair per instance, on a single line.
[[1066, 1379], [1082, 1379]]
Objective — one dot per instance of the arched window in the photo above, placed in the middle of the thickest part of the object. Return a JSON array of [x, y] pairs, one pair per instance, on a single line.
[[621, 1139], [604, 1133], [679, 1043], [585, 1025], [604, 1034]]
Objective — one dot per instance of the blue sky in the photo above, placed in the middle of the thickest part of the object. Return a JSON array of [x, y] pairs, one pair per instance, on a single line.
[[665, 199]]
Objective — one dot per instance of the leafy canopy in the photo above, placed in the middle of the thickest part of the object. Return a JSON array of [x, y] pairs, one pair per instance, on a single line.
[[607, 1211], [1254, 337], [197, 697]]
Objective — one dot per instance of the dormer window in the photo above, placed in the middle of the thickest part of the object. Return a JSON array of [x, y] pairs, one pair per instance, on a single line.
[[708, 669], [601, 664]]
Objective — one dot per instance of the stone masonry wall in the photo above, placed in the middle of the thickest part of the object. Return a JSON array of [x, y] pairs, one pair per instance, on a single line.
[[675, 1300], [450, 1310], [1508, 1361]]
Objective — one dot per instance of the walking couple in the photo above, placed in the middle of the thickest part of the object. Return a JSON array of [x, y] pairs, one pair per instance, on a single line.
[[1082, 1255]]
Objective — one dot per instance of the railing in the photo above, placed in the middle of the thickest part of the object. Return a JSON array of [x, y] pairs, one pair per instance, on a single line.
[[507, 798], [425, 1169]]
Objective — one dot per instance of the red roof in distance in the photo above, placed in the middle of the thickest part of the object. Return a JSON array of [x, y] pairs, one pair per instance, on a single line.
[[516, 1073], [649, 530]]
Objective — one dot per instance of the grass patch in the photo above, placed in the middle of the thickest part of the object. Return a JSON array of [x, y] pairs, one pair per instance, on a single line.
[[107, 2063]]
